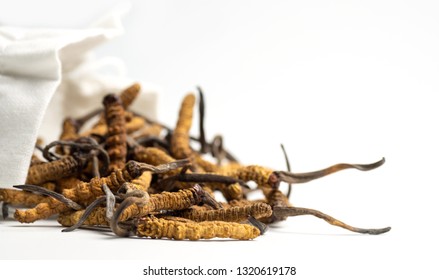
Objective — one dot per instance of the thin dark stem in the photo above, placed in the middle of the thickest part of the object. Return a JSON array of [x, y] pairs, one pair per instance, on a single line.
[[259, 225], [206, 198], [40, 190], [86, 213], [5, 210], [201, 178], [201, 106], [51, 155], [298, 211], [287, 160], [114, 223], [294, 178]]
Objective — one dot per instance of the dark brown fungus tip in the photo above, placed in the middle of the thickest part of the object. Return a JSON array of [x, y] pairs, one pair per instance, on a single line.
[[111, 99], [133, 168]]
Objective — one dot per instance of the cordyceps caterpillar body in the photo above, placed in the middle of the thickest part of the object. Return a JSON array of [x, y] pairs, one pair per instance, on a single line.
[[116, 139], [231, 214], [52, 171], [185, 229]]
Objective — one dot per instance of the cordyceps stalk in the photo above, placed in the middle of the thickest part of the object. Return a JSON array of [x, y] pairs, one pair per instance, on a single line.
[[298, 211], [185, 229], [265, 177], [96, 217], [54, 170], [116, 139], [294, 178], [133, 207]]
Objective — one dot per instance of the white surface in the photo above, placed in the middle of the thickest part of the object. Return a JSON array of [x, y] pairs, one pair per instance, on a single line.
[[335, 81]]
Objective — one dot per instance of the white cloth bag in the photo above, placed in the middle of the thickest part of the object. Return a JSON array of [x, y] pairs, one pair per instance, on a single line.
[[47, 74]]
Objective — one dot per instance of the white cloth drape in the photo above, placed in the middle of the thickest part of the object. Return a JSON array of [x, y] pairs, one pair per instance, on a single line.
[[47, 74]]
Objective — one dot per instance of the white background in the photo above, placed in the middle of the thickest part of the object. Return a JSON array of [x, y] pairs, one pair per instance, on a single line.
[[335, 81]]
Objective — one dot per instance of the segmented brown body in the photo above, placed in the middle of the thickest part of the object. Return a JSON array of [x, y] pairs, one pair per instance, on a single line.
[[231, 214], [180, 147], [182, 199], [258, 174], [143, 182], [21, 198], [116, 138], [129, 94], [161, 228], [42, 211], [96, 218], [51, 171], [85, 193]]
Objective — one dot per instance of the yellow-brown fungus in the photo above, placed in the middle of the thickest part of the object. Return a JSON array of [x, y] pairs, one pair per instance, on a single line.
[[161, 228], [116, 139], [118, 169]]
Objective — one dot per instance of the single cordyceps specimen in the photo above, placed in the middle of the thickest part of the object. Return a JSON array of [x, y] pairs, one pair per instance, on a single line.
[[180, 146], [232, 214], [54, 170], [117, 169], [128, 96], [179, 230], [116, 138]]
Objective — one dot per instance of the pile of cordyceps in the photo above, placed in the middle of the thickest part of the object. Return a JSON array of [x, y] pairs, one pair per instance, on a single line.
[[136, 176]]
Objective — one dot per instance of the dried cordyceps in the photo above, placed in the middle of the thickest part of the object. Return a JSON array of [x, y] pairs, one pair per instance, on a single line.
[[137, 176], [116, 138], [180, 146], [21, 198], [134, 207], [232, 214], [185, 229], [54, 170]]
